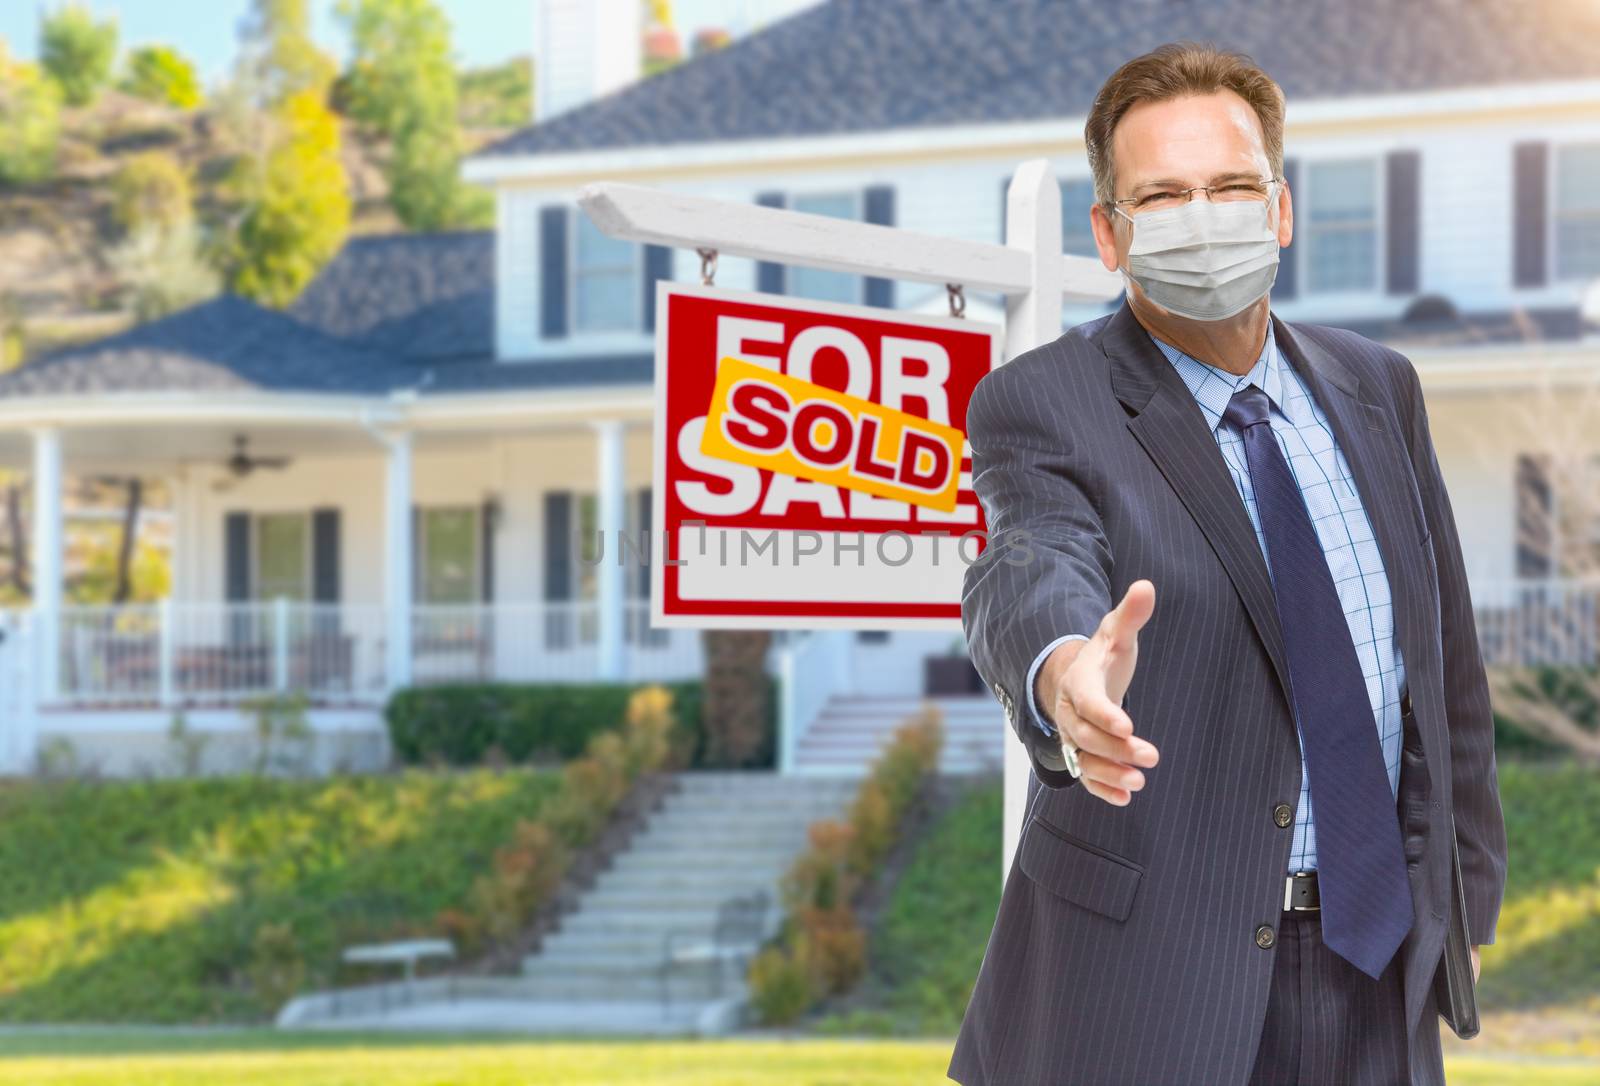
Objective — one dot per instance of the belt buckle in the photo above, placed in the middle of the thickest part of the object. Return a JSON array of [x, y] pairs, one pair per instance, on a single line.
[[1288, 894]]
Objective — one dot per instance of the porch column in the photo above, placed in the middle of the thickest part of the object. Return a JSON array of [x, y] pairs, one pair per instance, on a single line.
[[398, 558], [609, 489], [47, 548]]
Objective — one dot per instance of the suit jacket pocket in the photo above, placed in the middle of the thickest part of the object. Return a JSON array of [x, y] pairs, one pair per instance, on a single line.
[[1082, 873]]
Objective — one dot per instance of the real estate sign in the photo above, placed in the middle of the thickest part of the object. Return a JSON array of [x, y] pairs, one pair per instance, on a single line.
[[810, 462]]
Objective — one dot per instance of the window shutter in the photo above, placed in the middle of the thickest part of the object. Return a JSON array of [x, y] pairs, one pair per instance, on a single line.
[[769, 275], [1286, 285], [553, 271], [657, 265], [486, 518], [325, 555], [1403, 185], [558, 546], [236, 557], [1530, 213], [878, 207], [1533, 524]]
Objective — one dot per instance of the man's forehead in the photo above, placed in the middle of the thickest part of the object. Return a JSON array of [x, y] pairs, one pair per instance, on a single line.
[[1199, 136]]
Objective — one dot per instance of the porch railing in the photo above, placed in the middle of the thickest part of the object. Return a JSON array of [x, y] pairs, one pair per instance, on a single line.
[[184, 653], [1531, 622], [200, 653]]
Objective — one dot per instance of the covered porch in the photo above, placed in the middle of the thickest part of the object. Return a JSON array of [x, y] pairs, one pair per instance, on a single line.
[[343, 548]]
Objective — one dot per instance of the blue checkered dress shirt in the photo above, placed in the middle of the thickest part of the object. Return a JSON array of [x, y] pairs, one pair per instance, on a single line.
[[1342, 526]]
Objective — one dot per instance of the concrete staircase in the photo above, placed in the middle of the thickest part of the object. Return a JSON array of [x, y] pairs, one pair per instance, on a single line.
[[722, 834], [852, 729]]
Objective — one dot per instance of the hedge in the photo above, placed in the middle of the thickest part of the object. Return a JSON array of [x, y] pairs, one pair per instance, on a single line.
[[460, 723]]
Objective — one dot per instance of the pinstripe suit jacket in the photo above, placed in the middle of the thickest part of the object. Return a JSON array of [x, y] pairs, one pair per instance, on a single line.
[[1124, 950]]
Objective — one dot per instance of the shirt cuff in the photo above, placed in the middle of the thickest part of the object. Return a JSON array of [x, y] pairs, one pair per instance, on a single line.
[[1039, 716]]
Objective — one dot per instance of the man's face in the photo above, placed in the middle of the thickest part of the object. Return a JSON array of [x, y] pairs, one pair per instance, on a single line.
[[1195, 140]]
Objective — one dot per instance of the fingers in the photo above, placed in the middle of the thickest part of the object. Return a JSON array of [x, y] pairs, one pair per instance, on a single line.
[[1128, 617]]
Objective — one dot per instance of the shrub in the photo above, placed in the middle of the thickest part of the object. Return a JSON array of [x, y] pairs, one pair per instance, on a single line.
[[151, 190], [528, 871], [276, 968], [820, 937], [457, 723], [159, 73], [30, 122], [77, 51], [163, 271], [780, 986]]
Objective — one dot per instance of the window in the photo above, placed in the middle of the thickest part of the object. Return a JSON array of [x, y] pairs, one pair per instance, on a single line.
[[1577, 211], [1077, 237], [586, 525], [606, 290], [1340, 221], [283, 556], [817, 283], [448, 555]]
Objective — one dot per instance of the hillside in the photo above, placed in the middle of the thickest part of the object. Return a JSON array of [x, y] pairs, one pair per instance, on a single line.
[[57, 283]]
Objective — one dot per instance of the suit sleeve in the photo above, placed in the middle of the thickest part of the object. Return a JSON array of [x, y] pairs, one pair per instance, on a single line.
[[1046, 571], [1480, 825]]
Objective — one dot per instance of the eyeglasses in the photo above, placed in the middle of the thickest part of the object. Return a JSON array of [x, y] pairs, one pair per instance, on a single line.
[[1230, 192]]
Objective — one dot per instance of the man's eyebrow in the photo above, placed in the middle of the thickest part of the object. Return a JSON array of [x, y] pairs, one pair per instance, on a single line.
[[1216, 179]]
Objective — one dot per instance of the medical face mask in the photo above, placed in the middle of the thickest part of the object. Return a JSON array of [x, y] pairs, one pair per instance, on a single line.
[[1205, 260]]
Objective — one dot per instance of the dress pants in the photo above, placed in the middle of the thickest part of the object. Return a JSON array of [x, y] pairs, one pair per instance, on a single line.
[[1329, 1024]]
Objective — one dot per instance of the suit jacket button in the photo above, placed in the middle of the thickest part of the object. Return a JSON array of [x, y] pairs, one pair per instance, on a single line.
[[1265, 937], [1283, 814]]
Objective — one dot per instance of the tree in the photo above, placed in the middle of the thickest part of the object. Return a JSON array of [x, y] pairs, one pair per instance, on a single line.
[[402, 85], [736, 705], [278, 53], [30, 121], [159, 73], [297, 205], [77, 51]]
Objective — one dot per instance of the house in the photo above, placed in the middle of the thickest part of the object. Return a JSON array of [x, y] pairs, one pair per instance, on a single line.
[[380, 486]]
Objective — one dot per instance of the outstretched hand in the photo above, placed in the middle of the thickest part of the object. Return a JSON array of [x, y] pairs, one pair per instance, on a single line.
[[1082, 684]]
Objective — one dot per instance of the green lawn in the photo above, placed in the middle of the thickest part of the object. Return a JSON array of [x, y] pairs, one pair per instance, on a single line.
[[930, 940], [208, 900], [260, 1058]]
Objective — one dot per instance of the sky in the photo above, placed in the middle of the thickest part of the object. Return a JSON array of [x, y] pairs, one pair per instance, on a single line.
[[485, 31]]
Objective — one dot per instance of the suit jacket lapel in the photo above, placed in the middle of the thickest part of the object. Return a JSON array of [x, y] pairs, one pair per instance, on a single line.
[[1382, 471], [1172, 429]]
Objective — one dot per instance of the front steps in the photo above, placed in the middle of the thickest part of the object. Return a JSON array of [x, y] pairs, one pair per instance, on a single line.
[[717, 834], [721, 834], [851, 730]]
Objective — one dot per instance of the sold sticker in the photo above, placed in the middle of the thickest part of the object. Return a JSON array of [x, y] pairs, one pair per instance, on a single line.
[[782, 423]]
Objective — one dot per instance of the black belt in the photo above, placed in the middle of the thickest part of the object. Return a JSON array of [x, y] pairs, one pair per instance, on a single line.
[[1300, 892]]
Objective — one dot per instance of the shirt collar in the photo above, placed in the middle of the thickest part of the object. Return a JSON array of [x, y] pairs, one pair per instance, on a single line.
[[1212, 387]]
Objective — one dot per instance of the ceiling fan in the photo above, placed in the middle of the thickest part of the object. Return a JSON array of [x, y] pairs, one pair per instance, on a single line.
[[241, 463]]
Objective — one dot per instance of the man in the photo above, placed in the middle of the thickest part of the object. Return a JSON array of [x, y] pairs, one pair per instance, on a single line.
[[1262, 502]]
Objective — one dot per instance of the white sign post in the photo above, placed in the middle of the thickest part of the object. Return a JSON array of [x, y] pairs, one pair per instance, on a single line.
[[1029, 270]]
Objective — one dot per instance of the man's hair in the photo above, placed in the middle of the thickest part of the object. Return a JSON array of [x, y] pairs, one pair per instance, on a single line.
[[1175, 70]]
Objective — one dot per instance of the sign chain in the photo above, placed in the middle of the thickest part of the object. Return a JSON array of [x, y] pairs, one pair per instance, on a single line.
[[958, 300], [708, 266]]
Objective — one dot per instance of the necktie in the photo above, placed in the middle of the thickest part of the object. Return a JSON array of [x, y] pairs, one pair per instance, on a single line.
[[1361, 868]]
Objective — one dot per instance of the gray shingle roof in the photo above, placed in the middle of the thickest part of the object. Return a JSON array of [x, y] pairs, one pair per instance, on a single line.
[[867, 65], [408, 295], [226, 344]]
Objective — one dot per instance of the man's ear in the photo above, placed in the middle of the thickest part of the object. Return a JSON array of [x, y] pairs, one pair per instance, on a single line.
[[1105, 238], [1285, 216]]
